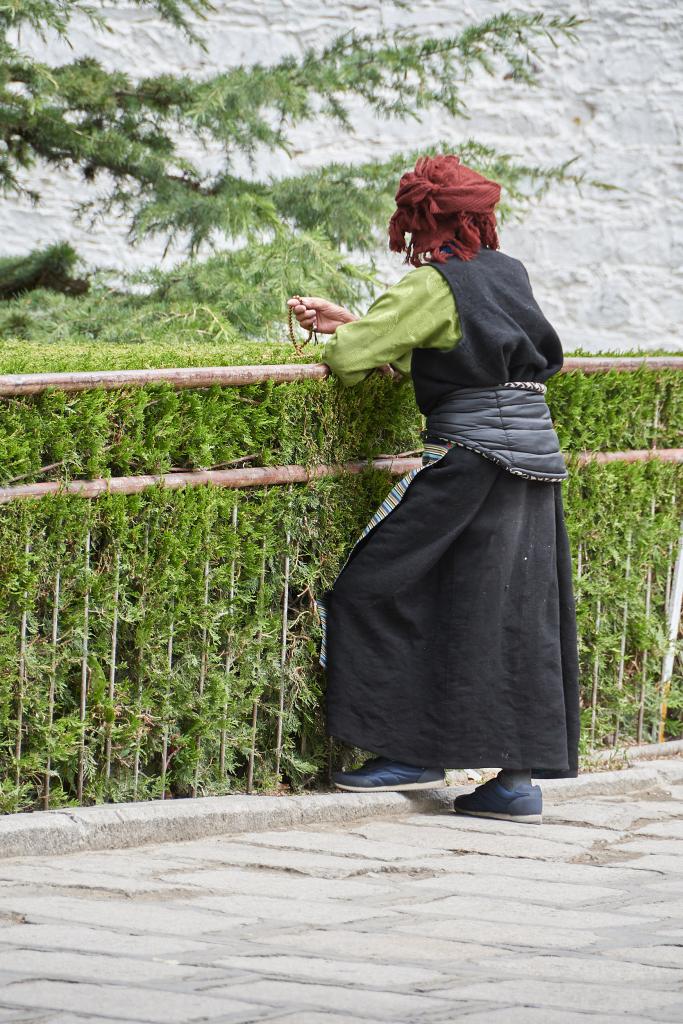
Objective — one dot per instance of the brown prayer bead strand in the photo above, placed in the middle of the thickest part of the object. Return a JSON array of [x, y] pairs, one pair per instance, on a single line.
[[298, 345]]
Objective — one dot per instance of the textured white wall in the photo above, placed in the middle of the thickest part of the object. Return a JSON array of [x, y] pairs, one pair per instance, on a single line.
[[607, 267]]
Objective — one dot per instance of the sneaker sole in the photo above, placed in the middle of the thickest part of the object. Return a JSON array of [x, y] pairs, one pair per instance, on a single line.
[[437, 784], [525, 819]]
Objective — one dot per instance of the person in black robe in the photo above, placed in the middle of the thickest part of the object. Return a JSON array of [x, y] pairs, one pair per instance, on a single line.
[[449, 635]]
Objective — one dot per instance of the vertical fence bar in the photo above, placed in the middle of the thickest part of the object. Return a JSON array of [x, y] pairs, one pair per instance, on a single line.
[[252, 750], [283, 657], [164, 741], [84, 670], [22, 675], [138, 738], [223, 733], [228, 652], [669, 576], [648, 595], [644, 664], [54, 639], [622, 639], [203, 666], [596, 673], [643, 673], [657, 725], [580, 572], [674, 625], [254, 710], [112, 663], [655, 420]]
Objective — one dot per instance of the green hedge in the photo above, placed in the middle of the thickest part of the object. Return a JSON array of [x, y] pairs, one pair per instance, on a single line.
[[191, 583]]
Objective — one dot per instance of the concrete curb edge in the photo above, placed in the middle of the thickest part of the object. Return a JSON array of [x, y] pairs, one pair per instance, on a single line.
[[118, 826]]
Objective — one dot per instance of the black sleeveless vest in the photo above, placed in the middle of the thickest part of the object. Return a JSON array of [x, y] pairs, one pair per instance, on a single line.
[[505, 336], [468, 393]]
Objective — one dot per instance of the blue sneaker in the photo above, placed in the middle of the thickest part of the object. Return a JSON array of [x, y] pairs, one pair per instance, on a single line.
[[493, 800], [381, 775]]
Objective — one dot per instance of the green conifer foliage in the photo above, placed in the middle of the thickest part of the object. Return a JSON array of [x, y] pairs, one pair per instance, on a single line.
[[130, 133], [51, 268]]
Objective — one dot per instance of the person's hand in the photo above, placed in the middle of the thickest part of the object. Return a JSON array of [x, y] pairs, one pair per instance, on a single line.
[[316, 314], [387, 370]]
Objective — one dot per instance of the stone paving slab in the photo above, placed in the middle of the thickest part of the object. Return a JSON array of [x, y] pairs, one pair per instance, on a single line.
[[504, 935], [666, 829], [124, 1003], [660, 863], [546, 1015], [374, 947], [413, 919], [579, 996], [658, 953], [388, 1004], [589, 971], [531, 890], [88, 966], [313, 1017], [665, 845], [321, 865], [61, 936], [620, 872], [140, 917], [353, 845], [50, 1017], [247, 882], [275, 908], [480, 908], [455, 823], [475, 840], [330, 970], [615, 814]]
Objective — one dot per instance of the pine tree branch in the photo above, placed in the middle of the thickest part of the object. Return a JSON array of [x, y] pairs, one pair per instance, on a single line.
[[102, 122], [311, 200], [44, 16], [50, 268]]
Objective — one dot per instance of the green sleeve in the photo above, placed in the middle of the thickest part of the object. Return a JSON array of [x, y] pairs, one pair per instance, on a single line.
[[417, 312]]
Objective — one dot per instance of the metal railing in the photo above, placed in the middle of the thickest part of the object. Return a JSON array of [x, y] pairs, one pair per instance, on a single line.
[[236, 376]]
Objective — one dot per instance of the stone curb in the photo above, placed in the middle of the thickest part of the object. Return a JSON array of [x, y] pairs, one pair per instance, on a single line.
[[645, 752], [118, 826]]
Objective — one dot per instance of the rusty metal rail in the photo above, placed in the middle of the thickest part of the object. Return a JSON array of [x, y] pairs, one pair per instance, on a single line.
[[263, 476], [253, 476], [236, 376], [178, 377]]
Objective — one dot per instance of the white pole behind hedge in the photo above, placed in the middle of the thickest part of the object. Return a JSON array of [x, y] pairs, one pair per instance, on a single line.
[[674, 625]]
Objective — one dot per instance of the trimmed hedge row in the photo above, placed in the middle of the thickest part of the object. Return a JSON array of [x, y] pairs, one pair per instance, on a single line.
[[142, 648], [154, 429]]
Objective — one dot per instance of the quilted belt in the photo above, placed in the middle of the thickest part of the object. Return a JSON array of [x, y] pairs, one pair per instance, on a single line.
[[510, 424]]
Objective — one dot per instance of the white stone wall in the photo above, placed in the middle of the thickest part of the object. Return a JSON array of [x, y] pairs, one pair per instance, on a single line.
[[607, 266]]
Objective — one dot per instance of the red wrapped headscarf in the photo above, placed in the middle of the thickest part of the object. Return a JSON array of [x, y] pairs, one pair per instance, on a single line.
[[443, 202]]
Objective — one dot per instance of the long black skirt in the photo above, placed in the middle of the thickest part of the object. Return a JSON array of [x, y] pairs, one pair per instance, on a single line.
[[450, 632]]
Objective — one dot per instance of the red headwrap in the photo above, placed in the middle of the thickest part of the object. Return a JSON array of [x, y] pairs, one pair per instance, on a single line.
[[443, 202]]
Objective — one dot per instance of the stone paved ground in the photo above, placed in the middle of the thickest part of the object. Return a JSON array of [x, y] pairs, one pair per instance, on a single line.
[[424, 918]]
